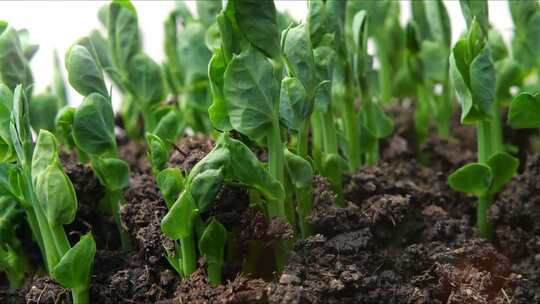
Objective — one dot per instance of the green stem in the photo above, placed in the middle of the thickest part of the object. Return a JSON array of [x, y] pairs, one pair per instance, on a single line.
[[372, 156], [329, 133], [483, 139], [317, 138], [276, 167], [445, 110], [496, 129], [305, 203], [115, 197], [80, 295], [303, 133], [60, 239], [384, 72], [189, 255], [421, 113], [482, 223], [214, 273], [351, 132], [149, 120]]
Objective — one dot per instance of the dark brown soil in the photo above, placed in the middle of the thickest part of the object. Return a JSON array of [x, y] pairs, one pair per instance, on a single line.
[[403, 237]]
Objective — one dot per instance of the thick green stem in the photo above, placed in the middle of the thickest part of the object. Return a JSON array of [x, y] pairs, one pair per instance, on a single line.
[[80, 295], [496, 129], [351, 132], [483, 139], [276, 167], [305, 203], [372, 156], [149, 120], [189, 255], [114, 198], [302, 144], [384, 72], [482, 223], [214, 273], [317, 138], [329, 133], [60, 239], [444, 110]]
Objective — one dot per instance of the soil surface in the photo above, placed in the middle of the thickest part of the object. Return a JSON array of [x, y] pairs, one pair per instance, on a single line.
[[403, 237]]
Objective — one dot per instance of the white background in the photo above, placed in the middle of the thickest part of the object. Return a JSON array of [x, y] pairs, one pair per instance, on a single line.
[[57, 24]]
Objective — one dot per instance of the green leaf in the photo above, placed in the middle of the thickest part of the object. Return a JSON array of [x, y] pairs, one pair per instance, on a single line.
[[258, 22], [178, 222], [146, 81], [219, 157], [476, 9], [438, 21], [45, 153], [113, 172], [503, 168], [84, 74], [245, 167], [251, 93], [63, 125], [317, 20], [169, 125], [43, 109], [434, 58], [55, 191], [509, 73], [298, 53], [205, 186], [6, 104], [218, 112], [14, 67], [524, 111], [472, 178], [194, 55], [58, 85], [75, 268], [208, 10], [301, 174], [294, 107], [158, 152], [93, 126], [376, 121], [171, 183], [212, 244], [19, 127], [123, 33]]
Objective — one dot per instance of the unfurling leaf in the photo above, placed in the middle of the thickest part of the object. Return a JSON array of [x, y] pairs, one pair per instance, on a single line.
[[75, 267], [472, 178]]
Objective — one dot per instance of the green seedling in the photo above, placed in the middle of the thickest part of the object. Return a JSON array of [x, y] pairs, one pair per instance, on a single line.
[[36, 180], [92, 129], [473, 73]]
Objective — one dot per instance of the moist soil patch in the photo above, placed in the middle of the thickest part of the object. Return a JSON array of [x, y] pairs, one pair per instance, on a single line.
[[403, 236]]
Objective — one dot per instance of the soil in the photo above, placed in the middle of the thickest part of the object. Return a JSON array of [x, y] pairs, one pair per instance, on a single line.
[[403, 237]]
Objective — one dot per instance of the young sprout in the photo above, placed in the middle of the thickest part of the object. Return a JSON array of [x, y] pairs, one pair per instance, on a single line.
[[474, 79], [428, 61], [92, 129], [38, 182]]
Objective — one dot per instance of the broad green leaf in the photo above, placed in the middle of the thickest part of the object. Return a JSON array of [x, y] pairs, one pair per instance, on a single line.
[[472, 178], [43, 109], [208, 10], [251, 93], [55, 191], [476, 9], [169, 125], [205, 186], [258, 22], [6, 104], [524, 111], [509, 73], [123, 32], [317, 20], [497, 45], [84, 74], [294, 106], [45, 153], [299, 171], [246, 168], [171, 183], [14, 67], [434, 58], [146, 81], [438, 21], [212, 245], [325, 58], [178, 222], [75, 268], [63, 125], [93, 125], [298, 53], [219, 157], [113, 172], [158, 152], [218, 112], [376, 121], [482, 77], [193, 53], [19, 127], [503, 167], [28, 48], [323, 96]]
